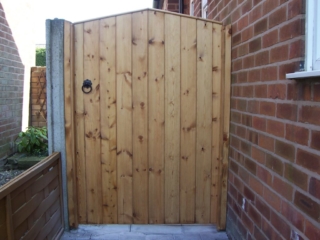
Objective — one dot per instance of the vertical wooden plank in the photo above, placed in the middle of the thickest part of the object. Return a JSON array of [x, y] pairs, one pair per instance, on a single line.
[[69, 127], [172, 117], [92, 123], [79, 123], [10, 230], [226, 125], [216, 120], [204, 121], [156, 116], [108, 119], [124, 118], [60, 209], [188, 119], [3, 219], [140, 115]]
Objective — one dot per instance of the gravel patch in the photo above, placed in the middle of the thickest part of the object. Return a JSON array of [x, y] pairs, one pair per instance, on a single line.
[[6, 176]]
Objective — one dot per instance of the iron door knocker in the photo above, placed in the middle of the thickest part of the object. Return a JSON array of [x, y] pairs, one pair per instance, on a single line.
[[87, 84]]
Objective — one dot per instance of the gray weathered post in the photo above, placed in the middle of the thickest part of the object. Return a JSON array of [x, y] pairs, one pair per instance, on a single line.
[[55, 99]]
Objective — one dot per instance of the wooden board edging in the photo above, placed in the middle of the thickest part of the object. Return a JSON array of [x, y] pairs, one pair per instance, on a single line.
[[69, 126], [28, 174], [150, 9], [226, 125]]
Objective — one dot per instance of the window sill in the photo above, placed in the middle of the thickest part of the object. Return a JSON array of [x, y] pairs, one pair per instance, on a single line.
[[304, 74]]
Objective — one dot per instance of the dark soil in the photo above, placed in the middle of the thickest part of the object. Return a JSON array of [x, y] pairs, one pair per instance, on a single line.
[[7, 175]]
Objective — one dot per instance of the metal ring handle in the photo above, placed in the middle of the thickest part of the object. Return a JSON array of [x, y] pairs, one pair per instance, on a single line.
[[87, 84], [86, 92]]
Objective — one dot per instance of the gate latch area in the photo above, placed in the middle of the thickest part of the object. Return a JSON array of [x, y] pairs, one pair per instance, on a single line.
[[87, 84]]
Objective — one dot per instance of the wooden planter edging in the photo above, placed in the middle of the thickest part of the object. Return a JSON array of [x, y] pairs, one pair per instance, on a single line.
[[31, 204]]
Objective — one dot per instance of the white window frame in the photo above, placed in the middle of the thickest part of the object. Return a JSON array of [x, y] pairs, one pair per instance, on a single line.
[[313, 35], [312, 47], [191, 8], [204, 8]]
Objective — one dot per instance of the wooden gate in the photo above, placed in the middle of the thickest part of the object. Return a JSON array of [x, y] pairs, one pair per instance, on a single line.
[[149, 143]]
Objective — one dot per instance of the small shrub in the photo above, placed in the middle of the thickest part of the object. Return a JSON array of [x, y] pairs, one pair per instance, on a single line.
[[33, 141], [41, 57]]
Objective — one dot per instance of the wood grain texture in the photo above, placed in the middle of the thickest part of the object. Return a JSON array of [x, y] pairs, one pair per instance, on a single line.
[[156, 117], [69, 127], [10, 225], [79, 124], [140, 116], [188, 119], [149, 136], [172, 117], [108, 119], [226, 119], [25, 218], [92, 123], [3, 220], [124, 117], [216, 121], [204, 121]]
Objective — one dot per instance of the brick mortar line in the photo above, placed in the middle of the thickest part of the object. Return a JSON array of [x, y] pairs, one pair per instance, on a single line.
[[276, 193], [311, 126], [218, 13], [275, 27], [264, 167], [303, 147], [16, 48], [278, 26], [237, 219], [251, 220], [9, 41], [278, 44], [261, 197], [13, 60], [299, 167], [12, 54], [278, 64], [278, 101], [269, 152], [271, 208], [242, 57], [273, 64], [257, 83]]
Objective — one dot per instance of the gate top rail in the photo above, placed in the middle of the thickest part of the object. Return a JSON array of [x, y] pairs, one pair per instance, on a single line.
[[28, 174]]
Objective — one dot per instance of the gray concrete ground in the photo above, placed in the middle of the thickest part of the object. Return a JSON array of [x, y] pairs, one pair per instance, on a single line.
[[145, 232]]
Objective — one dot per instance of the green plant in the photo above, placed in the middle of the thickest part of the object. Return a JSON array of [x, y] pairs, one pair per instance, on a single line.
[[33, 141], [40, 57]]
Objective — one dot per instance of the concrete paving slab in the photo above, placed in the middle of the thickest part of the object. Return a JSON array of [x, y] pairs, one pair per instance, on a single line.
[[106, 237], [103, 229], [159, 237], [144, 232], [157, 229], [189, 236], [132, 236], [199, 229], [214, 236]]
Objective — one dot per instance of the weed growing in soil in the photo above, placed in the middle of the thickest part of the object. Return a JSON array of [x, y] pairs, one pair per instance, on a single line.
[[34, 141]]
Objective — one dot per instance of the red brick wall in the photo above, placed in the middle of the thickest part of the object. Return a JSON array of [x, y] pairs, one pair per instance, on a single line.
[[197, 8], [171, 5], [11, 88], [275, 122]]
